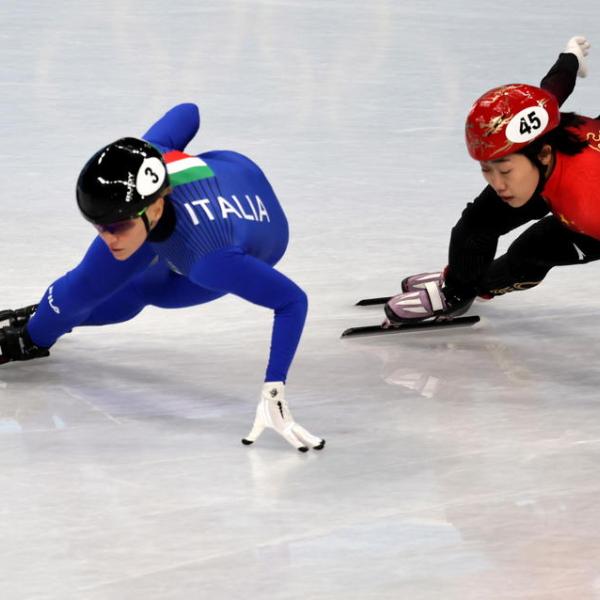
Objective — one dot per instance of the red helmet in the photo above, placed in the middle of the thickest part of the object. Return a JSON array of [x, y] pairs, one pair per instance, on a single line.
[[509, 118]]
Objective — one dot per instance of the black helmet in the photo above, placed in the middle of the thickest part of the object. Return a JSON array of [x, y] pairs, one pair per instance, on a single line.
[[120, 180]]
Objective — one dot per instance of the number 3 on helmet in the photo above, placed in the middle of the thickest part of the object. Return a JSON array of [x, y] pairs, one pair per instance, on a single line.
[[508, 118], [120, 180]]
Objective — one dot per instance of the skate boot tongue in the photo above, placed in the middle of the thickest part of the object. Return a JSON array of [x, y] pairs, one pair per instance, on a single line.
[[418, 282], [419, 305]]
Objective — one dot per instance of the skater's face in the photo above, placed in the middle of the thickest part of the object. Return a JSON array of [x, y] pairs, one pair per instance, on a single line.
[[514, 177], [126, 237]]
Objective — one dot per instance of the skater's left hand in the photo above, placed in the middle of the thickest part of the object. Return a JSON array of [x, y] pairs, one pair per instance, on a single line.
[[273, 412]]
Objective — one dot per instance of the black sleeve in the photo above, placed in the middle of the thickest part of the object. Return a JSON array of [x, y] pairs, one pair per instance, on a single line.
[[560, 79], [474, 239]]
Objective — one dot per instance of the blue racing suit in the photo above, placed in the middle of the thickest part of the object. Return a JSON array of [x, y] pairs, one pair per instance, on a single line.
[[222, 232]]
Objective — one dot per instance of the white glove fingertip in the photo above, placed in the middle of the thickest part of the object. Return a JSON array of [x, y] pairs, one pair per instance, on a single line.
[[255, 432], [289, 436], [316, 443]]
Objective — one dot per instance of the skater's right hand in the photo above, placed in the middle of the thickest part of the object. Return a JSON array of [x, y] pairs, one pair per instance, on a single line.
[[273, 412], [580, 47]]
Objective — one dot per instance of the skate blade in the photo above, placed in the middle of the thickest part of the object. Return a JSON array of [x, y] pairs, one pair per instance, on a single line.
[[403, 327]]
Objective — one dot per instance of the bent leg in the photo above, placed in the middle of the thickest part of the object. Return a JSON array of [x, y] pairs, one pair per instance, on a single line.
[[69, 301], [157, 286], [474, 238], [544, 245]]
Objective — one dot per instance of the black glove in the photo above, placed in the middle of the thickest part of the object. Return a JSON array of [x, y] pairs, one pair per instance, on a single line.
[[18, 317], [15, 344]]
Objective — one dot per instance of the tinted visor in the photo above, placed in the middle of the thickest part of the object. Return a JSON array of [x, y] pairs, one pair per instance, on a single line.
[[119, 227]]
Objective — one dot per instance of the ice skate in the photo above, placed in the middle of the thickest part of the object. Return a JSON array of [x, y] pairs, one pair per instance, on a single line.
[[431, 302], [17, 317]]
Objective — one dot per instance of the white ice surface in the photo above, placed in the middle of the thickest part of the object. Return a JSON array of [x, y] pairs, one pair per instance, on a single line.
[[460, 465]]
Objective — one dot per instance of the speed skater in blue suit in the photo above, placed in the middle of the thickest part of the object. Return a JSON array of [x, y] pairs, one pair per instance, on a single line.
[[174, 230]]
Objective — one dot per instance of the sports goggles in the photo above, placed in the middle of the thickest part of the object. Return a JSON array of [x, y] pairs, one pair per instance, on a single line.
[[119, 227]]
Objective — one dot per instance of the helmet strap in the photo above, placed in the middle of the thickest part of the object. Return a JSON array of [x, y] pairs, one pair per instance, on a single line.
[[144, 218]]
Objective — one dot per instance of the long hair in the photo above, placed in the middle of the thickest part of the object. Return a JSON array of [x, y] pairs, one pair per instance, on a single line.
[[563, 139]]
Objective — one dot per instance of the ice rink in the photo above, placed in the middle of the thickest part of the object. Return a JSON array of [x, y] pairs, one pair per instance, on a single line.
[[460, 465]]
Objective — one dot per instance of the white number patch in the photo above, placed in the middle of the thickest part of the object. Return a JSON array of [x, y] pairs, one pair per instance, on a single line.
[[150, 176], [527, 124]]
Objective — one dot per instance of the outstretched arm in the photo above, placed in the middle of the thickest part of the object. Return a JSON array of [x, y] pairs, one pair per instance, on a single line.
[[233, 271], [560, 80], [176, 128]]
